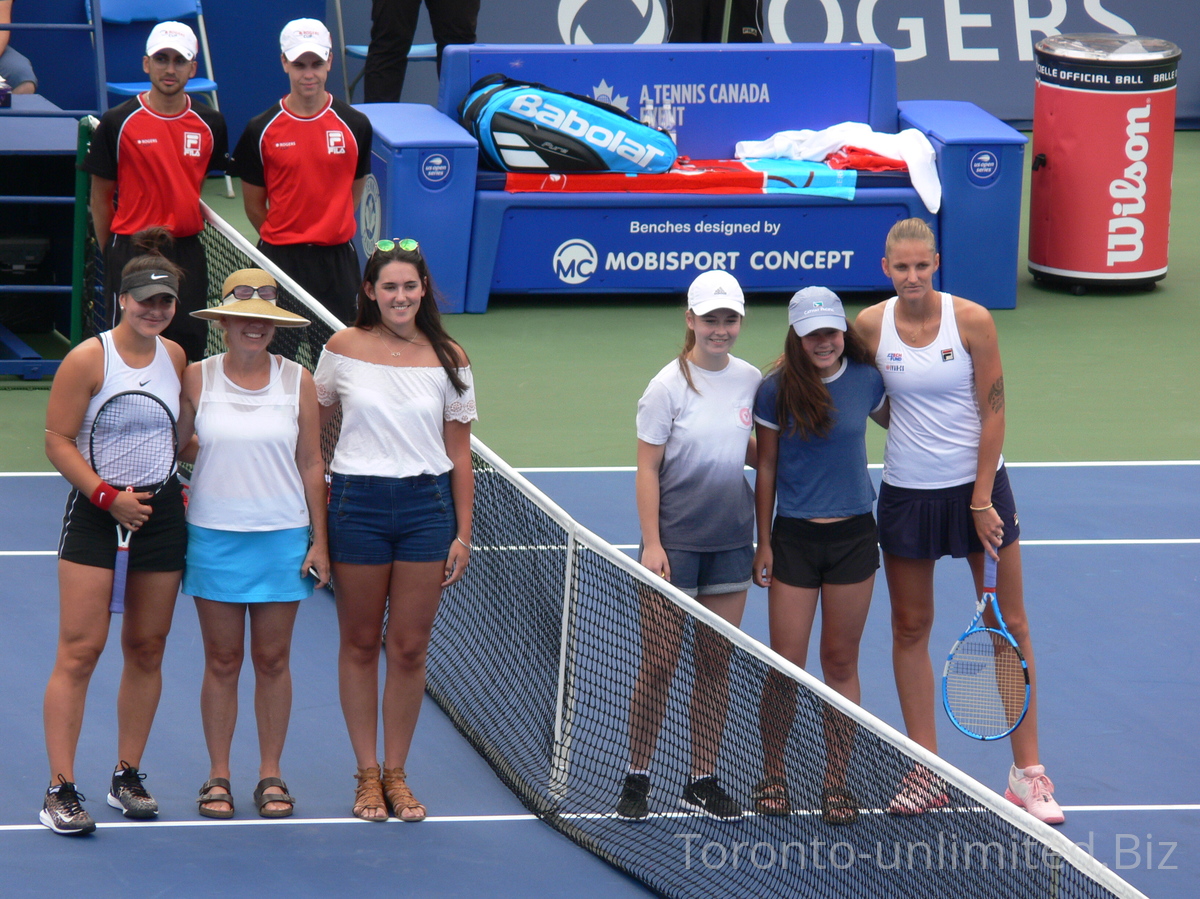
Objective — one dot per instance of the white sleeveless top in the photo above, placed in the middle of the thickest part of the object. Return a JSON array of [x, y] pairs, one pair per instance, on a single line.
[[158, 378], [246, 478], [933, 436]]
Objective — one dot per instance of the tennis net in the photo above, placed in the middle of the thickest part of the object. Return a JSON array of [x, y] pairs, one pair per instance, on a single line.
[[535, 657]]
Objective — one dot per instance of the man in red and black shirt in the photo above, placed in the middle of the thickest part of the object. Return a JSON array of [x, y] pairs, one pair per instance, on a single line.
[[303, 164], [151, 154]]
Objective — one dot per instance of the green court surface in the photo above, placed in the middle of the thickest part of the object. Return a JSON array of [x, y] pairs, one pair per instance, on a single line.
[[1100, 377]]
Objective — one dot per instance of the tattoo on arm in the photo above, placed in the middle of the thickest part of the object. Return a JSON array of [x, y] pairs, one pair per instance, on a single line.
[[996, 395]]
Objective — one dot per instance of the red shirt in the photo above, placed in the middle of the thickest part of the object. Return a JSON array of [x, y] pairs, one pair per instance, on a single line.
[[159, 163], [308, 166]]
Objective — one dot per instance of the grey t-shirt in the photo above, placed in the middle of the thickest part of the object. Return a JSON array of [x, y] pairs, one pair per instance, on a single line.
[[705, 502]]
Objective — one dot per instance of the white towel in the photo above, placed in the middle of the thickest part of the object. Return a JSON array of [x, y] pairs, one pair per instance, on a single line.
[[814, 146]]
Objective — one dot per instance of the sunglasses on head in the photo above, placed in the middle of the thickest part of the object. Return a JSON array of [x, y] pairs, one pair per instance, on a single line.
[[407, 244], [245, 292]]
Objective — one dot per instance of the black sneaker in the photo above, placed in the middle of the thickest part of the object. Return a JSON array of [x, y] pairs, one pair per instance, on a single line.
[[62, 812], [128, 794], [706, 795], [632, 805]]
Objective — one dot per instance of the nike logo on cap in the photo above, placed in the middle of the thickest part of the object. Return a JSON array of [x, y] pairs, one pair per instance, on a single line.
[[158, 277]]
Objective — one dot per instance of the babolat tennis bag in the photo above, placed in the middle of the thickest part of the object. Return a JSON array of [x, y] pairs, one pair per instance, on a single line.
[[526, 127]]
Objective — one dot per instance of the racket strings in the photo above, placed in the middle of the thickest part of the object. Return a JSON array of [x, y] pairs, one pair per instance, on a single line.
[[133, 441], [986, 684]]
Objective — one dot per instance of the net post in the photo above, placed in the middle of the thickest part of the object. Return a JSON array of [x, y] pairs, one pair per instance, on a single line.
[[81, 245], [564, 706]]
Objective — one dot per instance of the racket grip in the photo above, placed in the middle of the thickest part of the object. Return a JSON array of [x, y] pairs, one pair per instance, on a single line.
[[989, 574], [117, 604]]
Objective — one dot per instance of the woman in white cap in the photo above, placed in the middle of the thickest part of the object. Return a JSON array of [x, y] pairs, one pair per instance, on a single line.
[[256, 526], [945, 492], [696, 512], [822, 547], [132, 356]]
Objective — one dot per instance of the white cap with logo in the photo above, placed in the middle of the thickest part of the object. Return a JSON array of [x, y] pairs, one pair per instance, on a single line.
[[714, 290], [172, 36], [814, 308], [302, 36]]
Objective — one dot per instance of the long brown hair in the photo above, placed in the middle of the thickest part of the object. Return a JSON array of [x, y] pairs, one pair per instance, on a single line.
[[429, 317], [689, 343], [804, 406]]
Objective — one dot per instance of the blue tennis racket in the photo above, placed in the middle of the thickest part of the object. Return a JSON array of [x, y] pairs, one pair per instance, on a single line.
[[985, 684], [133, 446]]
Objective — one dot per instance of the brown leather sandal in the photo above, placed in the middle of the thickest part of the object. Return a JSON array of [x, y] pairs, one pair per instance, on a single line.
[[368, 798], [400, 798]]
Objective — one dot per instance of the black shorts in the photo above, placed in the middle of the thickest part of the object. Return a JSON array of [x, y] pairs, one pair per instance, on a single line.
[[808, 554], [331, 274], [188, 253], [89, 534], [929, 524]]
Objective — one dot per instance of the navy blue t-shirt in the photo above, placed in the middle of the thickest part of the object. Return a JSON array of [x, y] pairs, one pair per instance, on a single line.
[[825, 477]]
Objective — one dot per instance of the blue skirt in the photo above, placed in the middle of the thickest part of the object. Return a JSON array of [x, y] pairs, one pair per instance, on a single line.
[[247, 566]]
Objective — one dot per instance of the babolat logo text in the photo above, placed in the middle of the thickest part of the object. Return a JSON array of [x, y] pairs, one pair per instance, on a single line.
[[1124, 231], [536, 109]]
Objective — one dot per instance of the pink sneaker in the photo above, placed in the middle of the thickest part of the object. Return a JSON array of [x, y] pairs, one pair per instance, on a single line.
[[920, 791], [1032, 790]]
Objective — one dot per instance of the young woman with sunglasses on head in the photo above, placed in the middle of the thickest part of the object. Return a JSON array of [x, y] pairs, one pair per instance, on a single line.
[[257, 497], [400, 506], [132, 356]]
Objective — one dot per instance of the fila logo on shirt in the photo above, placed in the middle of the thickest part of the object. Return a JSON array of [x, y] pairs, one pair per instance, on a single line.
[[191, 143], [947, 355], [335, 142], [895, 362]]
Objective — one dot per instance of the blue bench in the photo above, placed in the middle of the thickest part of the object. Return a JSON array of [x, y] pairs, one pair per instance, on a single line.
[[715, 95]]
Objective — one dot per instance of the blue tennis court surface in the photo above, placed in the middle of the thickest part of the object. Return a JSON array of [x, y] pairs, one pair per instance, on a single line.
[[1111, 555]]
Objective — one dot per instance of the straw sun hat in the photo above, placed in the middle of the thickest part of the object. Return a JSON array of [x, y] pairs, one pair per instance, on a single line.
[[254, 307]]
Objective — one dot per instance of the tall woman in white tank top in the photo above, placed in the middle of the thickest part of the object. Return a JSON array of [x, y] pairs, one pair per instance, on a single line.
[[132, 356], [257, 497], [945, 492]]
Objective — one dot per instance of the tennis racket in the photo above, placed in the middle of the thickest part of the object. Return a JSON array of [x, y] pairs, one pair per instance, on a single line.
[[133, 446], [985, 684]]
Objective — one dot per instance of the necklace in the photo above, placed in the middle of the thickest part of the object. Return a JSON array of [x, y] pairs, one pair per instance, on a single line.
[[379, 334]]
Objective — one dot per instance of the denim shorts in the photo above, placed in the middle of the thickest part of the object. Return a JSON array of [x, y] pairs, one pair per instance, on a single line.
[[710, 574], [377, 521]]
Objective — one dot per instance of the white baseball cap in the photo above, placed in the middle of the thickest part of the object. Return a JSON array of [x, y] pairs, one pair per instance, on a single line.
[[302, 36], [714, 290], [172, 36], [814, 308]]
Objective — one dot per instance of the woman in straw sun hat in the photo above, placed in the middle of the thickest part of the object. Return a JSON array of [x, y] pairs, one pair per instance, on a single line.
[[256, 525]]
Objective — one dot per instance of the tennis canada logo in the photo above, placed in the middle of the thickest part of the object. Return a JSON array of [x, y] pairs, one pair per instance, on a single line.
[[191, 143], [744, 416], [335, 142], [575, 261]]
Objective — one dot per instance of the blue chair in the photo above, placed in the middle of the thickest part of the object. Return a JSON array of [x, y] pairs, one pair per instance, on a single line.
[[416, 53], [127, 24]]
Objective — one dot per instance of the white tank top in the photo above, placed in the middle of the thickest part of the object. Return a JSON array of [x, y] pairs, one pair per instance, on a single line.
[[159, 378], [246, 477], [933, 436]]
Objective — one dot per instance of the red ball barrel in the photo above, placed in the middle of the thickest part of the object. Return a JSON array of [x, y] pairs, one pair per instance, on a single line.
[[1103, 147]]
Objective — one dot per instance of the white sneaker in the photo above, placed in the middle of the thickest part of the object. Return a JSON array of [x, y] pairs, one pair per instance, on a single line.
[[1032, 790]]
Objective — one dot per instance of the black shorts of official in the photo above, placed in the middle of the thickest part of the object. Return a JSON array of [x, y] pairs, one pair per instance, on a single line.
[[188, 253], [330, 274], [89, 534], [809, 554], [701, 21], [929, 524]]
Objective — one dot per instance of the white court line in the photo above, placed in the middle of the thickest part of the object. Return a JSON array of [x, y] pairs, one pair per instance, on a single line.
[[500, 819], [29, 552], [603, 469]]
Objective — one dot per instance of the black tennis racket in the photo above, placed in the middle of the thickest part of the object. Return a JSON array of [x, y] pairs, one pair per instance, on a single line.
[[133, 446], [985, 684]]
